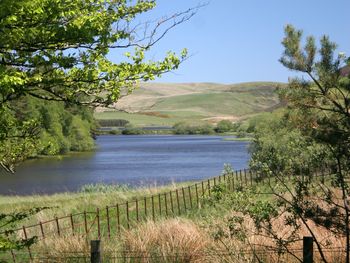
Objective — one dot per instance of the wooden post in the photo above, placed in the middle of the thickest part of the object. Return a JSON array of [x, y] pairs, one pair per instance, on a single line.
[[251, 177], [98, 223], [26, 237], [245, 177], [145, 201], [166, 204], [209, 187], [72, 224], [42, 230], [137, 209], [58, 226], [202, 188], [240, 177], [322, 174], [214, 181], [160, 205], [308, 251], [153, 215], [127, 214], [189, 193], [108, 223], [12, 252], [85, 223], [184, 198], [171, 202], [118, 218], [96, 255], [197, 195], [178, 201], [233, 182]]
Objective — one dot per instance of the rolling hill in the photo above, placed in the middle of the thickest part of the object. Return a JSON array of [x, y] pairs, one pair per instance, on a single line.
[[168, 103]]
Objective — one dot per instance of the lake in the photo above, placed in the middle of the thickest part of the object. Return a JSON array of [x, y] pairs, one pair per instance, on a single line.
[[134, 160]]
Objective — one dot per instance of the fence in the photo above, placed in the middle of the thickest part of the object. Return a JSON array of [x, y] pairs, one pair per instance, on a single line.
[[111, 220], [96, 254]]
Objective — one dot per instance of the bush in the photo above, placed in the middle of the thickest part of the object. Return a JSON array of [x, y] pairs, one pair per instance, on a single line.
[[224, 126], [187, 129], [113, 123], [132, 130]]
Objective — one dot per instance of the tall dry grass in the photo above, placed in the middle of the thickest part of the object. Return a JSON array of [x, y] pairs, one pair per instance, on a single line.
[[259, 244], [174, 240]]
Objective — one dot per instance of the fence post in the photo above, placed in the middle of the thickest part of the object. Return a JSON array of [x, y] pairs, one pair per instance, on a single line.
[[137, 209], [209, 187], [85, 223], [98, 223], [166, 204], [58, 226], [118, 218], [190, 195], [160, 205], [171, 202], [197, 195], [72, 223], [308, 251], [127, 214], [96, 255], [153, 215], [42, 230], [203, 189], [26, 238], [108, 223], [184, 198], [145, 204], [178, 201]]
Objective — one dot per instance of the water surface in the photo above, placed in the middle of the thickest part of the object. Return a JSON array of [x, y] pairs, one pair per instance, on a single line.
[[133, 160]]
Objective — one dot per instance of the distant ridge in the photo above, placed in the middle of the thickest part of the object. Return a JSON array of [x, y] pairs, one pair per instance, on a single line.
[[198, 101]]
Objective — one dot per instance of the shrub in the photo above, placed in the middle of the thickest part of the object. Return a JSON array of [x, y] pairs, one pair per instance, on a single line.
[[132, 130], [184, 128], [224, 126]]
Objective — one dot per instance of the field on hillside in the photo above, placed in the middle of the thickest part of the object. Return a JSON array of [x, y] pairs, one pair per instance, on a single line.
[[163, 104]]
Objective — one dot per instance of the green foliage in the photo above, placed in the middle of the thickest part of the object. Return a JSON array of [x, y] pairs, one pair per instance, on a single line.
[[103, 188], [113, 123], [43, 129], [56, 50], [132, 130], [277, 147], [8, 239], [224, 126], [313, 133], [188, 129]]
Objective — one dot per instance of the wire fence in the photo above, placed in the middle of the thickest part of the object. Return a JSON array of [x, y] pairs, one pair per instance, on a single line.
[[254, 255], [110, 221]]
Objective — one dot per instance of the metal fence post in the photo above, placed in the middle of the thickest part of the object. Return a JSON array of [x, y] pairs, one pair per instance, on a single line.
[[96, 254], [308, 250]]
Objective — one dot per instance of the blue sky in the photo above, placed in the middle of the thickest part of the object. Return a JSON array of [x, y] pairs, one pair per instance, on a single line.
[[240, 41]]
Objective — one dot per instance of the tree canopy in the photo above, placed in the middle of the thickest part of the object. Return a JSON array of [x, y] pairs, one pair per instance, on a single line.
[[60, 51], [311, 135]]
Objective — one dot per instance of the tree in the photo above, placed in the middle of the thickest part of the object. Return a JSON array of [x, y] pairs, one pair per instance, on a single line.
[[59, 51], [315, 131], [224, 126]]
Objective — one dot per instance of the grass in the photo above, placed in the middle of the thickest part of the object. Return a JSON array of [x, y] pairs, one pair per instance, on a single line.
[[201, 231]]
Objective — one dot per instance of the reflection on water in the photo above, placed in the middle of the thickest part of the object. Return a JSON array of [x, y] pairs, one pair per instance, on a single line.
[[134, 160]]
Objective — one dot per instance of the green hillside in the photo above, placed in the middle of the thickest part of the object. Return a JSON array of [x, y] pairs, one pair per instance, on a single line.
[[168, 103]]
